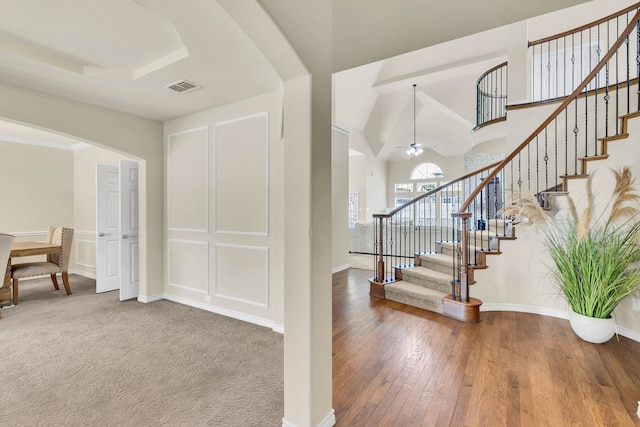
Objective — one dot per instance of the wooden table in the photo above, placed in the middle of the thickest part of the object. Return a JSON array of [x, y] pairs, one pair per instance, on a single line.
[[21, 249]]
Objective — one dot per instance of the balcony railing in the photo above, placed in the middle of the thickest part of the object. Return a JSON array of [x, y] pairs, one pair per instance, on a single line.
[[491, 96]]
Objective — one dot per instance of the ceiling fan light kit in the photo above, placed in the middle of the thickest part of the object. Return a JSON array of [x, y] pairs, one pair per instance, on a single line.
[[414, 150]]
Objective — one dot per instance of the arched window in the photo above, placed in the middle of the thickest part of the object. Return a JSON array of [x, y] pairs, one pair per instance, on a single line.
[[426, 171]]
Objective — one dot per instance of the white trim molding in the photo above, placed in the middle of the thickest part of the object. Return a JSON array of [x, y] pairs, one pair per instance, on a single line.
[[328, 421], [260, 321], [150, 298], [543, 311], [339, 269]]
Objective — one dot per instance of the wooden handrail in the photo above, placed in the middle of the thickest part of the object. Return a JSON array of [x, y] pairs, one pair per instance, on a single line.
[[586, 26], [612, 50], [489, 71], [435, 190], [598, 91]]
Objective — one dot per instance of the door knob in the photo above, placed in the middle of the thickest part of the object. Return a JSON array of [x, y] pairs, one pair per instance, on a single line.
[[127, 236], [104, 234]]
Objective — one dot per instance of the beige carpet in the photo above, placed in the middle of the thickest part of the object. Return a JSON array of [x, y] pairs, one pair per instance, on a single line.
[[90, 360]]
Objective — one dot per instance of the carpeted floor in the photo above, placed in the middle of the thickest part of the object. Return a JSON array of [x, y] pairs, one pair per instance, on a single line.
[[89, 360]]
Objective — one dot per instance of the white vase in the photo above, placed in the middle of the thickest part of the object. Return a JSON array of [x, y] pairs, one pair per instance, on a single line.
[[592, 329]]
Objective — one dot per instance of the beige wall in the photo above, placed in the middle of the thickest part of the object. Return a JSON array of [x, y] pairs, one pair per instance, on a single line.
[[224, 222], [134, 136], [37, 188]]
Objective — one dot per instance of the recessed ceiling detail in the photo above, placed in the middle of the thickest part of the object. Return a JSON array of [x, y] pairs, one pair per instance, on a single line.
[[125, 42]]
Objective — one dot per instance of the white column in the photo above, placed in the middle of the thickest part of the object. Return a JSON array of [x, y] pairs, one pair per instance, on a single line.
[[308, 216]]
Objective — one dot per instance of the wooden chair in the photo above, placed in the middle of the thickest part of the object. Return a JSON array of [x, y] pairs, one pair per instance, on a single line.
[[55, 263], [6, 240]]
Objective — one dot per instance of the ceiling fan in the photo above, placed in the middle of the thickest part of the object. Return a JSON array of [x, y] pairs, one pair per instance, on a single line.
[[415, 149]]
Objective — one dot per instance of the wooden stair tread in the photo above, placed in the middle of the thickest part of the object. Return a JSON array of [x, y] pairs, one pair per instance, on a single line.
[[560, 193], [576, 176], [614, 137], [599, 157], [472, 248]]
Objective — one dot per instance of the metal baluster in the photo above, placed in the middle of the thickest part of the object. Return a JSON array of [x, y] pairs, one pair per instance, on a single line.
[[537, 165], [573, 63], [617, 116], [586, 121], [595, 121], [566, 142], [548, 70], [576, 129], [555, 144], [628, 71], [546, 159], [557, 67], [638, 62], [519, 175], [529, 167]]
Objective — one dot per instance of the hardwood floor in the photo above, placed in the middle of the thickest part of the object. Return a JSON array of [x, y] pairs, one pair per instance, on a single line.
[[395, 365]]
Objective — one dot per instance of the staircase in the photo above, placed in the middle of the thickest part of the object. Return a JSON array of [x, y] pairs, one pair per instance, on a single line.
[[560, 150], [428, 282]]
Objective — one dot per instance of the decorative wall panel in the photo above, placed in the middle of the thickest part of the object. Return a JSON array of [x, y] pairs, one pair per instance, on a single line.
[[188, 180], [242, 273], [85, 253], [241, 157], [188, 263]]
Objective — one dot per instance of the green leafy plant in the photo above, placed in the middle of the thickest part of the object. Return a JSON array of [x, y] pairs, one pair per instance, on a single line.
[[593, 257]]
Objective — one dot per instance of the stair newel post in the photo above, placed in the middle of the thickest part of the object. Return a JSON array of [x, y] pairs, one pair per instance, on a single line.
[[463, 293], [380, 267]]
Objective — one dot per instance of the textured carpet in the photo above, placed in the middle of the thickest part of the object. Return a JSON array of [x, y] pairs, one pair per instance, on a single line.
[[89, 360]]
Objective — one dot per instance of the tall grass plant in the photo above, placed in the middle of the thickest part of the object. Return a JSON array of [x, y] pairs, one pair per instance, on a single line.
[[595, 257]]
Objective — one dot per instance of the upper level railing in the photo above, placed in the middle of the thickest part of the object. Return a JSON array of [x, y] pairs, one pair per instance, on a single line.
[[491, 95], [560, 62]]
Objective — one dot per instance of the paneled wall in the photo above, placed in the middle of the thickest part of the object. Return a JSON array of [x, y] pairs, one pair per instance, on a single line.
[[224, 210]]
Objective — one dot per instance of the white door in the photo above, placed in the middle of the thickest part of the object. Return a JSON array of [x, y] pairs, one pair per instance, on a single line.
[[129, 228], [107, 228]]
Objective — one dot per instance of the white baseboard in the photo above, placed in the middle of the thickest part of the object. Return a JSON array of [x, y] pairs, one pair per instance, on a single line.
[[222, 311], [278, 328], [328, 421], [339, 269], [150, 298], [83, 274], [628, 333]]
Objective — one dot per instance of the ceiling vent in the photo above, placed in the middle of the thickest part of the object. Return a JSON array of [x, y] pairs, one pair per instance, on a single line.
[[183, 86]]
